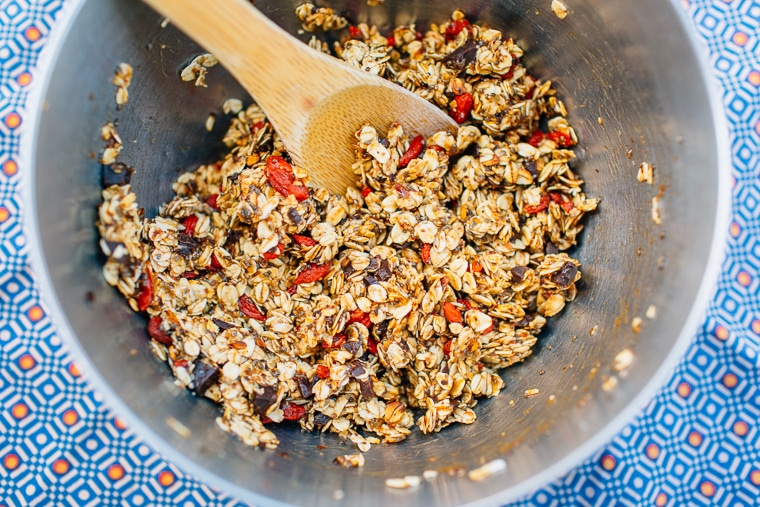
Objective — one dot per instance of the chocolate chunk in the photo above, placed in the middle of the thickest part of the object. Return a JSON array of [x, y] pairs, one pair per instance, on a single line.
[[531, 168], [366, 387], [383, 273], [113, 245], [526, 320], [370, 280], [116, 174], [352, 346], [222, 324], [373, 264], [204, 376], [232, 238], [356, 369], [551, 248], [566, 274], [462, 56], [304, 385], [321, 419], [518, 273], [380, 329], [348, 270], [263, 399], [295, 216], [186, 244]]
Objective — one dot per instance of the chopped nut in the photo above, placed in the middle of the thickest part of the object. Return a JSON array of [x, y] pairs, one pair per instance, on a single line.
[[529, 393], [350, 460], [656, 210], [410, 481], [559, 8], [651, 312], [623, 360], [646, 173], [636, 324]]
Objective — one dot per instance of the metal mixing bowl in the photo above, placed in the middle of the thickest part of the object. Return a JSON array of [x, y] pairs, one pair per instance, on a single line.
[[633, 65]]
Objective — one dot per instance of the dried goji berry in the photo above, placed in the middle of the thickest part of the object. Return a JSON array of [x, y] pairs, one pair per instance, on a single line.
[[180, 363], [215, 265], [561, 139], [452, 313], [401, 190], [211, 201], [455, 27], [274, 252], [258, 125], [488, 329], [462, 108], [391, 41], [437, 148], [155, 331], [311, 273], [292, 290], [190, 275], [476, 266], [249, 308], [354, 32], [529, 93], [265, 420], [466, 304], [360, 317], [536, 138], [447, 348], [337, 341], [190, 222], [366, 191], [414, 150], [425, 253], [304, 240], [292, 412], [541, 206], [323, 371], [145, 293], [371, 346], [279, 174]]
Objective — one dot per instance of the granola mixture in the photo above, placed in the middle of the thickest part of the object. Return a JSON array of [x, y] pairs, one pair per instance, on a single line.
[[393, 306]]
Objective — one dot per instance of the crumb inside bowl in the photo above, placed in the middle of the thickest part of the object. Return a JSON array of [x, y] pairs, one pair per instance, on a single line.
[[595, 364]]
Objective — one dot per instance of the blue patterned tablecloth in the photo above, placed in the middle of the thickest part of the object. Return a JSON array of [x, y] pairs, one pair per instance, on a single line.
[[696, 443]]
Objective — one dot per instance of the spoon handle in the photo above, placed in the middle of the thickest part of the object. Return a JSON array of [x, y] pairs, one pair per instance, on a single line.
[[248, 44]]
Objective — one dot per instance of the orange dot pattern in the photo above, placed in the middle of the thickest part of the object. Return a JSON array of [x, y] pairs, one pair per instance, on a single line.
[[12, 120], [10, 168], [741, 428], [24, 79], [735, 229], [608, 462], [744, 279], [32, 34], [119, 423], [70, 417], [730, 380], [61, 466], [4, 214], [694, 439], [708, 489], [166, 478], [35, 313], [115, 472], [684, 389], [11, 461], [26, 362], [754, 477], [756, 326], [661, 500], [721, 333], [740, 38], [754, 78], [19, 411], [74, 370], [653, 451]]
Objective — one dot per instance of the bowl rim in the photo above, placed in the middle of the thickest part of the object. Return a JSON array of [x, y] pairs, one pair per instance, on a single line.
[[34, 103]]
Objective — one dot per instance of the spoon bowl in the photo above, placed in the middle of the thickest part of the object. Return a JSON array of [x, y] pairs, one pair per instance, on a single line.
[[315, 102]]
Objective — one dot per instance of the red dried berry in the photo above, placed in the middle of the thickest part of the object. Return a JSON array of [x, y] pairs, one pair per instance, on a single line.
[[462, 108], [190, 275], [323, 371], [541, 206], [488, 329], [366, 191], [279, 174], [391, 41], [180, 363], [190, 222], [155, 332], [535, 139], [337, 341], [215, 265], [292, 412], [305, 241], [452, 313], [455, 27], [425, 253], [211, 201], [312, 273], [274, 252], [414, 150], [476, 266], [561, 139], [401, 190], [354, 32], [360, 317], [466, 304], [145, 293], [249, 309], [447, 348], [258, 126], [371, 346]]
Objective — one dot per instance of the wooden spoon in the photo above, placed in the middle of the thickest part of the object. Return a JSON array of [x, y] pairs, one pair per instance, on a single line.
[[314, 101]]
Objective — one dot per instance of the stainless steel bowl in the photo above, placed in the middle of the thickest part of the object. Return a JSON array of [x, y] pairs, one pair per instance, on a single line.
[[633, 65]]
